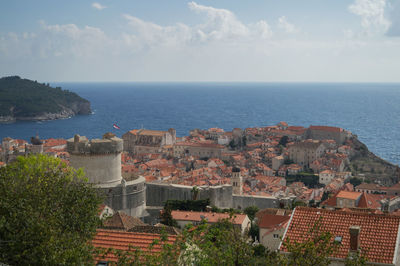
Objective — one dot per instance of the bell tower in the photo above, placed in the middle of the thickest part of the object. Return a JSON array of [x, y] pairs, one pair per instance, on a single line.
[[237, 181]]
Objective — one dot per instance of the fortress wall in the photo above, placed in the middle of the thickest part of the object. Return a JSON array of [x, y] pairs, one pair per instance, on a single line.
[[221, 196], [135, 197], [241, 202], [129, 197], [158, 194], [99, 168]]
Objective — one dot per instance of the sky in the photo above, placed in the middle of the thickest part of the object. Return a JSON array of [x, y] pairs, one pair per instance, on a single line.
[[202, 40]]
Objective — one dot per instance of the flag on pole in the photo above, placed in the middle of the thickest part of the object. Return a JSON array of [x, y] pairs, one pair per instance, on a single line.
[[116, 127]]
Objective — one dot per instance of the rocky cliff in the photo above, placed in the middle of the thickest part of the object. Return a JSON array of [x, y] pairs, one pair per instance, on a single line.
[[374, 168]]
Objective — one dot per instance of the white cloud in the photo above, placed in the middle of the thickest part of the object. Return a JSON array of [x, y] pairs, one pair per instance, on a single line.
[[219, 25], [220, 47], [372, 13], [98, 6], [286, 26], [394, 29]]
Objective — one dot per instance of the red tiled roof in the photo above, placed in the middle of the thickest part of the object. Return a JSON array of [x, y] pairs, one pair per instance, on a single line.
[[378, 233], [272, 220], [122, 221], [200, 144], [54, 142], [371, 201], [211, 217], [147, 132], [326, 128], [348, 195], [125, 241]]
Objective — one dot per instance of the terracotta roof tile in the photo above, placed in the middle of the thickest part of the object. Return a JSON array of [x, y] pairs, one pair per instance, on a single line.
[[326, 128], [122, 221], [272, 220], [125, 241], [348, 195], [211, 217], [378, 233]]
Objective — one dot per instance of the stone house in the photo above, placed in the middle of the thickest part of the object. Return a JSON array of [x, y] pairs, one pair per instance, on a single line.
[[139, 141], [305, 152], [202, 150], [241, 221], [325, 132], [326, 177]]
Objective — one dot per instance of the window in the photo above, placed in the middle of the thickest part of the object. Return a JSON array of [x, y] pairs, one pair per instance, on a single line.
[[276, 236]]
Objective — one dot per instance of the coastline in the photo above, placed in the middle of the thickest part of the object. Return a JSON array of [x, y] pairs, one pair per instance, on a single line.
[[42, 117]]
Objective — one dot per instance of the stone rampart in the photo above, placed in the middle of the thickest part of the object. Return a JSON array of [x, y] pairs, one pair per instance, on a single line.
[[241, 202], [81, 145], [158, 193], [129, 197]]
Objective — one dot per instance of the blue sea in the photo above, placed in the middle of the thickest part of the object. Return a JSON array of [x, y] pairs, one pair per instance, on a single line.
[[372, 111]]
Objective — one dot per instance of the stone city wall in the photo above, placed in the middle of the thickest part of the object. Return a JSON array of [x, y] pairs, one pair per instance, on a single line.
[[241, 202]]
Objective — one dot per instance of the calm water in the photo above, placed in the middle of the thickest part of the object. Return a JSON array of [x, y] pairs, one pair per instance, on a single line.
[[371, 111]]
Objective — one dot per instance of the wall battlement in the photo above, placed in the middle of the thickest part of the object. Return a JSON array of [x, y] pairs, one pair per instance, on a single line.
[[81, 145]]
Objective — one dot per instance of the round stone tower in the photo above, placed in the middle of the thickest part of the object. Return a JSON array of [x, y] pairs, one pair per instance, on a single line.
[[100, 158], [101, 161], [37, 145]]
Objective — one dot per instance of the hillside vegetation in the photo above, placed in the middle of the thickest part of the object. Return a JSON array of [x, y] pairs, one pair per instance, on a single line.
[[25, 99], [371, 166]]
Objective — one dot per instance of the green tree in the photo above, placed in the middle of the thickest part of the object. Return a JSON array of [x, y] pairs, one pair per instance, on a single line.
[[48, 213], [251, 212], [283, 141], [356, 259], [244, 141], [219, 244], [195, 191], [355, 181], [166, 216], [232, 144]]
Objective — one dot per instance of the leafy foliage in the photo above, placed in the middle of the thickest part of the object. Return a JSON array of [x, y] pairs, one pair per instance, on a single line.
[[188, 205], [48, 213], [283, 141], [355, 259], [251, 212], [219, 244], [355, 181], [310, 180], [23, 97], [166, 217]]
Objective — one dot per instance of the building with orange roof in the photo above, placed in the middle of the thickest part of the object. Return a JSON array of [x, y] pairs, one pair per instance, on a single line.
[[200, 149], [326, 176], [325, 132], [121, 221], [376, 236], [272, 227], [350, 199], [305, 152], [186, 217], [128, 241], [139, 141], [54, 143]]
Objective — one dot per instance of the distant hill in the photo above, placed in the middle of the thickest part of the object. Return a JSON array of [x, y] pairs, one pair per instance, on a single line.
[[24, 99]]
